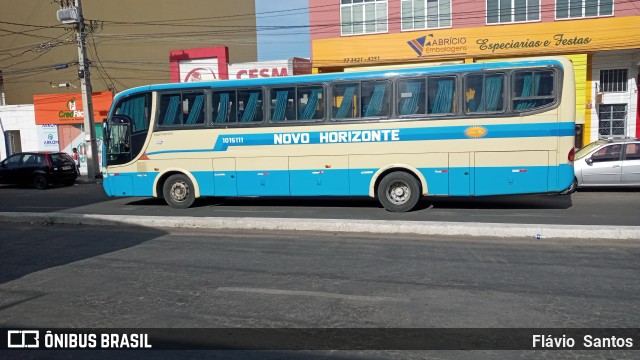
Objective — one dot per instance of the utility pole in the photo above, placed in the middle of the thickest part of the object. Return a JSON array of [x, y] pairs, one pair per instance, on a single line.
[[72, 14]]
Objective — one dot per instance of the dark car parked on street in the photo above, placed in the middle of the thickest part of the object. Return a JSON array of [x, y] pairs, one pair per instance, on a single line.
[[39, 169]]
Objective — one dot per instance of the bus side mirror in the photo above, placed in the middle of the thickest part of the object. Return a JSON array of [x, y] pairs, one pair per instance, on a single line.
[[105, 130]]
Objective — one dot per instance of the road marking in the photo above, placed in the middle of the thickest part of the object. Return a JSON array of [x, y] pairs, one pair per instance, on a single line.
[[311, 293]]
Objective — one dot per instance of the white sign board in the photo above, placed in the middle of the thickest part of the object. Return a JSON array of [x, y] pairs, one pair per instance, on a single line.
[[260, 69], [199, 70], [48, 138]]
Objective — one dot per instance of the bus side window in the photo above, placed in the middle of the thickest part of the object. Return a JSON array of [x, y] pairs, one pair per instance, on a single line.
[[282, 104], [345, 101], [310, 102], [533, 89], [376, 104], [411, 97], [484, 93], [250, 105], [224, 107], [442, 91], [170, 110]]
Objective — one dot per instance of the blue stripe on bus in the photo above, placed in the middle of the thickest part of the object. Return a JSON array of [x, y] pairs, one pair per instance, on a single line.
[[477, 181], [385, 135]]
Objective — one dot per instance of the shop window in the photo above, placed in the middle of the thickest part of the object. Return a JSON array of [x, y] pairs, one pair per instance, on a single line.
[[612, 119], [509, 11], [566, 9], [613, 80], [425, 14], [363, 16]]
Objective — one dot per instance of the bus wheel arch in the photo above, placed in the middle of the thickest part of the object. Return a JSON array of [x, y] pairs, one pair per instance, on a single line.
[[399, 189]]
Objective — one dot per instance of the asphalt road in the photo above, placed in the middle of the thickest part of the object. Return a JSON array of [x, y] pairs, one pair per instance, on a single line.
[[77, 276], [586, 207]]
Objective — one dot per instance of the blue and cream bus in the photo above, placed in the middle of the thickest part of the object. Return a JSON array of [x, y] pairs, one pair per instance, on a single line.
[[494, 128]]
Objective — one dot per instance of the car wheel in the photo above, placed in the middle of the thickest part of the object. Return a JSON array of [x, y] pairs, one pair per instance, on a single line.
[[40, 182], [399, 192], [178, 191], [573, 187]]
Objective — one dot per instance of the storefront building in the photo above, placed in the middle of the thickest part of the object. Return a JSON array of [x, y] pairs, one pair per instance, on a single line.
[[59, 121], [602, 37]]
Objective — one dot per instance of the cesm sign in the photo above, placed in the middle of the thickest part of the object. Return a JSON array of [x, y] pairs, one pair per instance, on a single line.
[[265, 69]]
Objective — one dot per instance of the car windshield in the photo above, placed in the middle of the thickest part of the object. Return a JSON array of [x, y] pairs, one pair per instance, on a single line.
[[587, 149]]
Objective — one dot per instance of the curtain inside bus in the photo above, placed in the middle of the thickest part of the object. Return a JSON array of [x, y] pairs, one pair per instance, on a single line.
[[310, 110], [492, 94], [444, 97], [223, 108], [196, 111], [347, 101], [135, 109], [282, 98], [377, 98], [251, 107], [409, 105]]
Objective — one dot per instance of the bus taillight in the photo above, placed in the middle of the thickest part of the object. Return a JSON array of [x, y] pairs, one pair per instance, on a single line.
[[572, 154]]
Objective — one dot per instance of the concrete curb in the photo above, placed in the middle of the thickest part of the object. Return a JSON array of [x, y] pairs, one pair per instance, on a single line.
[[338, 225]]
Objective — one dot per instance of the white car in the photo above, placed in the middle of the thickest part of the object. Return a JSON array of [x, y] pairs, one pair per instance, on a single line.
[[611, 162]]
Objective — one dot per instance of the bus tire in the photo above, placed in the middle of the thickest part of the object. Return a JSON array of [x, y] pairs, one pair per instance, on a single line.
[[398, 192], [178, 191]]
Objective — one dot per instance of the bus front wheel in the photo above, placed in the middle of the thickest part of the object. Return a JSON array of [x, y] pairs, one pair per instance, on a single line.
[[178, 191], [399, 192]]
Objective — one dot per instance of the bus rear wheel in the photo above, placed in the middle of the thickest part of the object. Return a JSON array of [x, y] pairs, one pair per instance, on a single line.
[[398, 192], [178, 191]]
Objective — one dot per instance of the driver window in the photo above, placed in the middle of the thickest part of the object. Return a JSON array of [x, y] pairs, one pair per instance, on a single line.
[[607, 153]]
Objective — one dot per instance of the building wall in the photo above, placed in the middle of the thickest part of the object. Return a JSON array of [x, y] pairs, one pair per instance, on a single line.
[[592, 44], [132, 42], [20, 118]]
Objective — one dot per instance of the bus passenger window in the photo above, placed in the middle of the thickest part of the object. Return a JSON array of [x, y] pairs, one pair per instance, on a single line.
[[250, 106], [411, 97], [376, 103], [310, 104], [224, 107], [533, 89], [169, 112], [346, 101], [484, 93], [193, 103], [441, 98], [282, 104]]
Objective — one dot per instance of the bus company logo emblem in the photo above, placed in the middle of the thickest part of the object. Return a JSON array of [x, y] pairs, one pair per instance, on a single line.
[[475, 132], [20, 339]]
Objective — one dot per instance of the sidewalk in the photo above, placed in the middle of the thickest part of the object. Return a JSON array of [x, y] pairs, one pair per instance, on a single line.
[[536, 231]]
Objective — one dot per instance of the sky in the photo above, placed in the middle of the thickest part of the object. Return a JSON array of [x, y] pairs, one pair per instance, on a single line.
[[283, 29]]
